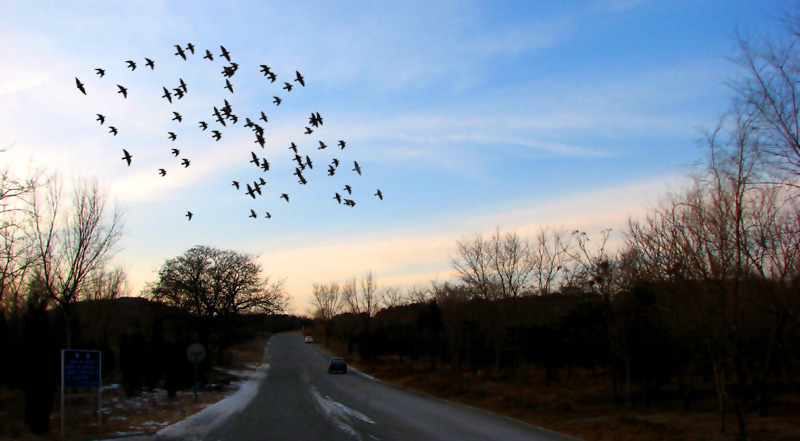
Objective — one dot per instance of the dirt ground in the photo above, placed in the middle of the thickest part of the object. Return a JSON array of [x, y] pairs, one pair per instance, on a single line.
[[126, 416], [582, 406]]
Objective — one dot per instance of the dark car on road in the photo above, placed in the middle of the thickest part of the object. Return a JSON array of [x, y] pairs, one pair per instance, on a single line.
[[337, 365]]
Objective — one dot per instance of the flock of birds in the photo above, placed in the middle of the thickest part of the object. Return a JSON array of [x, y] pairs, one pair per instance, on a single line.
[[223, 114]]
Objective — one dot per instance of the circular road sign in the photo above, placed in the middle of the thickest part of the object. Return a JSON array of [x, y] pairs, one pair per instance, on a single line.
[[196, 352]]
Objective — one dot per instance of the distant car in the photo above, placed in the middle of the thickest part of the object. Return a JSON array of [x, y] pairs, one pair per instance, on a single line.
[[337, 365], [309, 339]]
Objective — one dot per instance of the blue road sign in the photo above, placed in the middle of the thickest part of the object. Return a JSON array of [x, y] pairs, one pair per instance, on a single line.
[[81, 368]]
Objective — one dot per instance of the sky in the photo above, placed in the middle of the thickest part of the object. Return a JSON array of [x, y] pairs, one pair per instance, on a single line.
[[467, 115]]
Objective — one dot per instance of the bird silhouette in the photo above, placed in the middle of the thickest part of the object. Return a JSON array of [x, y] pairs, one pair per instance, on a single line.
[[132, 65], [230, 71], [331, 170], [248, 122], [265, 164], [100, 72], [172, 136], [177, 117], [178, 92], [176, 152], [293, 147], [308, 131], [80, 85], [308, 162], [234, 118], [250, 191], [319, 118], [336, 162], [203, 125], [236, 184], [123, 91], [263, 182], [338, 198], [299, 160], [263, 117], [357, 169], [288, 87], [228, 85], [272, 77], [349, 202], [260, 140], [217, 135], [127, 157], [285, 196], [379, 194], [342, 144], [349, 190], [255, 159], [268, 216], [101, 118], [185, 162], [252, 214], [150, 63], [299, 79], [208, 55], [167, 95], [265, 69], [219, 117], [180, 52], [112, 129], [257, 187], [183, 85], [162, 172], [321, 145], [302, 180], [277, 101], [225, 54], [190, 48], [189, 215]]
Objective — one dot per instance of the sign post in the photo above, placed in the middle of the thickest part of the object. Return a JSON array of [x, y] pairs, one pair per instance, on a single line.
[[81, 370], [196, 353]]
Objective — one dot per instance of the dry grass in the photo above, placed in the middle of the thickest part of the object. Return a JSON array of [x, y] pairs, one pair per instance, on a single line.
[[146, 413], [582, 406]]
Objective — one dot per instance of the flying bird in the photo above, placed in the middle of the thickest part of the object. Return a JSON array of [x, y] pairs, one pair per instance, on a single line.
[[162, 172], [308, 131], [285, 196], [288, 87], [185, 162], [132, 65], [189, 215], [190, 48], [176, 152], [250, 191], [228, 85], [265, 164], [236, 184], [379, 194], [217, 135], [177, 117], [112, 129], [342, 144], [331, 170], [277, 101], [308, 162], [100, 72], [172, 136], [268, 216], [248, 123], [336, 162], [272, 77], [299, 79], [299, 160], [167, 95], [179, 92], [349, 203], [321, 145], [265, 69], [255, 159], [357, 169], [180, 52], [302, 180], [183, 85], [257, 187], [80, 85], [219, 117], [150, 63], [338, 198], [127, 157], [123, 91], [263, 117], [263, 182], [253, 214], [208, 55], [260, 140], [293, 147], [203, 125], [101, 118], [349, 190], [225, 54]]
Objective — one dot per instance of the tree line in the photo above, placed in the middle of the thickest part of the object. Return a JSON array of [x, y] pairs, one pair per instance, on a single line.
[[705, 288]]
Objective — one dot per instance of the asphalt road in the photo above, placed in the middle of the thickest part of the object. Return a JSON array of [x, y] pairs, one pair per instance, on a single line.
[[292, 397]]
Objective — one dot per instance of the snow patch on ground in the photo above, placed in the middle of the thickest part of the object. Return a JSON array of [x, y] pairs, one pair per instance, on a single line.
[[340, 414], [199, 424]]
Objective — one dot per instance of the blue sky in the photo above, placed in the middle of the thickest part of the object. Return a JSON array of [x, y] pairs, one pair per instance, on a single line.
[[468, 115]]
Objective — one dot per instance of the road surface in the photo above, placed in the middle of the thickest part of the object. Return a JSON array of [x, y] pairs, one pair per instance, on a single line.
[[291, 397]]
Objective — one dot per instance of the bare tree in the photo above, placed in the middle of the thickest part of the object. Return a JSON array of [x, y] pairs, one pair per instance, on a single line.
[[369, 294], [474, 265], [350, 296], [393, 296], [106, 285], [72, 241], [549, 261], [327, 301]]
